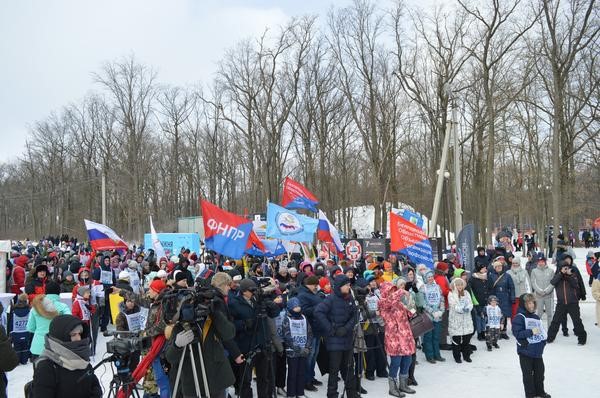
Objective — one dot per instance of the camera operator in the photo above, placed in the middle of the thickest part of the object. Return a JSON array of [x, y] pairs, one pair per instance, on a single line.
[[222, 285], [568, 294], [337, 316], [253, 335], [60, 370], [212, 334]]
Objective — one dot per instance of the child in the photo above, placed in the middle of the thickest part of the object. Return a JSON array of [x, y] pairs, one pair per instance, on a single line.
[[83, 309], [434, 307], [17, 328], [68, 283], [494, 323], [297, 337], [531, 340]]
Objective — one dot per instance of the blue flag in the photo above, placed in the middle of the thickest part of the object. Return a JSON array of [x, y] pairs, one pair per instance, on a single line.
[[288, 225]]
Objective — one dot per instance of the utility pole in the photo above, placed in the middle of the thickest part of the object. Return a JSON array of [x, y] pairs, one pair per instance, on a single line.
[[440, 184], [458, 222], [103, 198]]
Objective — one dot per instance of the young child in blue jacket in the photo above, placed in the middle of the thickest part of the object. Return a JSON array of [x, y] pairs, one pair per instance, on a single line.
[[297, 338], [17, 328], [531, 340]]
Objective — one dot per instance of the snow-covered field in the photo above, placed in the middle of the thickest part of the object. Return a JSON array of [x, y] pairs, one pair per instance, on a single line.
[[571, 370]]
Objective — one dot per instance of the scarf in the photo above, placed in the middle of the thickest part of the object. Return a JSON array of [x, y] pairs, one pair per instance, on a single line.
[[71, 355]]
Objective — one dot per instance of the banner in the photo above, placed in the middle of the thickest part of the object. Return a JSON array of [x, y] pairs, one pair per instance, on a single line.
[[411, 240], [114, 299], [285, 224], [225, 232], [296, 196], [173, 242], [465, 247]]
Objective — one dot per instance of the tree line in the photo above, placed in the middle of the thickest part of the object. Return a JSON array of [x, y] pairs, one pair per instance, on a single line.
[[355, 105]]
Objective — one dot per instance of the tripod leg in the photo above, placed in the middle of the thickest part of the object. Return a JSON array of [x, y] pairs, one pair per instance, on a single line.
[[203, 370], [179, 368], [194, 371]]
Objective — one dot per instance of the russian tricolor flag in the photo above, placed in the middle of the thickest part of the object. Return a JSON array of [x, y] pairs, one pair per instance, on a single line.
[[103, 238], [296, 196], [327, 232]]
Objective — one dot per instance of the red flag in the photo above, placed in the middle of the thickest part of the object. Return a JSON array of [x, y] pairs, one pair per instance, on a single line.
[[296, 196]]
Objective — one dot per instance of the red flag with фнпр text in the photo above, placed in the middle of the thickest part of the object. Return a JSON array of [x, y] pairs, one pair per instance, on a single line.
[[411, 240]]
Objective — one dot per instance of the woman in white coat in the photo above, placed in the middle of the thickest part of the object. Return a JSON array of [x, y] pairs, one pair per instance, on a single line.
[[460, 321]]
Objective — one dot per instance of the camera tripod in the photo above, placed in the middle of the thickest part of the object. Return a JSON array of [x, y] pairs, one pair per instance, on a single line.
[[189, 349], [121, 379]]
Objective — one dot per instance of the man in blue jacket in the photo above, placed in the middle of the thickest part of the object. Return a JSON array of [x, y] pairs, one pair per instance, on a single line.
[[309, 300], [337, 316], [531, 340]]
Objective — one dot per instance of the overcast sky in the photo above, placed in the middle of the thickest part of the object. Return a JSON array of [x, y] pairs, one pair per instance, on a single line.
[[49, 49]]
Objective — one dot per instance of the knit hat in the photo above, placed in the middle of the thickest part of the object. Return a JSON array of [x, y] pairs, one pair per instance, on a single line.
[[292, 269], [62, 325], [52, 288], [124, 275], [340, 281], [492, 298], [67, 273], [311, 280], [83, 290], [441, 266], [158, 285], [161, 273], [428, 274], [40, 268], [293, 303], [458, 272], [179, 275], [324, 281], [368, 275], [247, 284], [132, 264]]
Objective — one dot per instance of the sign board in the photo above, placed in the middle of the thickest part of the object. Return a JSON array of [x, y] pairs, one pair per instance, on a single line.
[[190, 225], [375, 247], [172, 243], [353, 250]]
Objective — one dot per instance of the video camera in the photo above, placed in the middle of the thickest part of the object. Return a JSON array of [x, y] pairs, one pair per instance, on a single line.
[[125, 343], [188, 305]]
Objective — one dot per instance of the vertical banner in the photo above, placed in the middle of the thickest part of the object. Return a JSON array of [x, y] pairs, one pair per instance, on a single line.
[[465, 246]]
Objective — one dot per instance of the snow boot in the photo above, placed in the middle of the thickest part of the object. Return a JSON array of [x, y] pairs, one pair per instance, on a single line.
[[403, 387], [456, 353], [412, 381], [393, 388]]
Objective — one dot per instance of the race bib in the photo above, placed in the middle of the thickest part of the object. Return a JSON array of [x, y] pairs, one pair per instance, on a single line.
[[106, 277], [144, 317], [494, 316], [133, 321], [433, 296], [298, 331], [19, 324], [279, 323], [85, 312], [134, 281], [531, 323], [372, 303]]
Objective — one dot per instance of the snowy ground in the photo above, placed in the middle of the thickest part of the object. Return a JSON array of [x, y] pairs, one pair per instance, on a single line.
[[571, 370]]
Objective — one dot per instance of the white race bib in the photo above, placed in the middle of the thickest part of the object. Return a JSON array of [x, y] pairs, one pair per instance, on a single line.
[[106, 277], [134, 281], [19, 324], [298, 331], [133, 321], [531, 323], [279, 323], [494, 316], [85, 312], [372, 302], [433, 296], [143, 317]]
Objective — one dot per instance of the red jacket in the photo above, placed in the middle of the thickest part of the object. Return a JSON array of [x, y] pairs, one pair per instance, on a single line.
[[442, 282], [18, 275], [78, 311]]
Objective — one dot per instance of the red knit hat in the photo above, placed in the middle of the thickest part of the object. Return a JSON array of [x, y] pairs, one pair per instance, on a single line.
[[158, 285], [441, 266]]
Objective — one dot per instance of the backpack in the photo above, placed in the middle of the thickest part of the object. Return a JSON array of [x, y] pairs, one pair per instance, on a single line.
[[28, 388]]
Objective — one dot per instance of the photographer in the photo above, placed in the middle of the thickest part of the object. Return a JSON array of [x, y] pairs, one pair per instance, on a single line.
[[215, 330], [337, 316], [60, 370], [568, 294], [253, 335]]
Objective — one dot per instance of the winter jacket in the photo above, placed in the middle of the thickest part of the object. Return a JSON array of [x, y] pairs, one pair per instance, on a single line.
[[251, 332], [520, 278], [567, 288], [398, 337], [121, 322], [502, 287], [434, 302], [528, 344], [296, 346], [460, 321], [218, 372], [308, 302], [9, 361], [44, 308], [336, 316], [442, 282], [540, 281], [53, 381], [82, 309], [35, 287], [480, 288], [18, 277], [67, 286]]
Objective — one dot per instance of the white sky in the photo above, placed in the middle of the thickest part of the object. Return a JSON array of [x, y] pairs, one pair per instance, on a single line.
[[49, 49]]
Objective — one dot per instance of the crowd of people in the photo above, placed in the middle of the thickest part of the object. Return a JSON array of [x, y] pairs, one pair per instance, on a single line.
[[280, 320]]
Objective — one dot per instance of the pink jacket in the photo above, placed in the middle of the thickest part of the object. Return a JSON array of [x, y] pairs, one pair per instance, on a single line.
[[398, 336]]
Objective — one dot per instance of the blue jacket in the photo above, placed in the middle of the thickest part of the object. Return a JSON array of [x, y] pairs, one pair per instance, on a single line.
[[504, 289], [521, 333], [308, 302], [336, 317], [251, 332]]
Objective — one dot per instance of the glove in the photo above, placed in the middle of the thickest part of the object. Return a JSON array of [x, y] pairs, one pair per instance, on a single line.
[[184, 338], [437, 315], [341, 331], [304, 352], [249, 324]]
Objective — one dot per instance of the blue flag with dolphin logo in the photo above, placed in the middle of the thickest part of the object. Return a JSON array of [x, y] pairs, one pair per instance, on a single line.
[[288, 225]]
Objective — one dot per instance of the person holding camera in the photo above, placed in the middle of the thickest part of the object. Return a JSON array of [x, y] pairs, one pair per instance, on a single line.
[[211, 334], [63, 369], [568, 293], [337, 315], [253, 337]]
